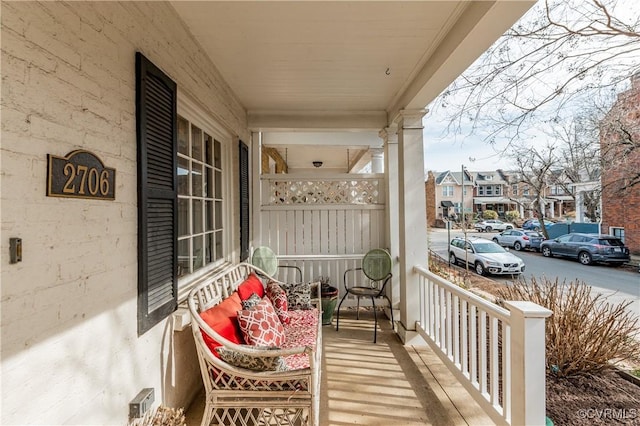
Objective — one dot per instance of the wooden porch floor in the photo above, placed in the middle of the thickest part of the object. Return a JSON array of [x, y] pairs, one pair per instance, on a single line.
[[385, 383]]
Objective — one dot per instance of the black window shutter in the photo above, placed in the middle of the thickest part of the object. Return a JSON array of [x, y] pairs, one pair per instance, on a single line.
[[156, 127], [244, 201]]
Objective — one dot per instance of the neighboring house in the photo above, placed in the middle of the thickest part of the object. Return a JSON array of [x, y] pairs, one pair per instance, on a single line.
[[620, 147], [452, 189], [175, 100], [492, 192], [559, 198]]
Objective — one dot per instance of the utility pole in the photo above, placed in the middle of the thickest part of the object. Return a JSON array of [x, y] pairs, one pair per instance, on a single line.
[[464, 227]]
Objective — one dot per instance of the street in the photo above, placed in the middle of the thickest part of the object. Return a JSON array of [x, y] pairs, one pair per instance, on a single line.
[[618, 284]]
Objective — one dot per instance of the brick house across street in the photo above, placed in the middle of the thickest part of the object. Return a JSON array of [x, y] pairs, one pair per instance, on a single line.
[[619, 134]]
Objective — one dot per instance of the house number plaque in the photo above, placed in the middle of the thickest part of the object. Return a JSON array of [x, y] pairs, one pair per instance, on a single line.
[[81, 174]]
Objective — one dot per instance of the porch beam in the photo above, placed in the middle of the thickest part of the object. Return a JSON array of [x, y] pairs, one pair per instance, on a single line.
[[412, 226], [478, 26], [316, 120]]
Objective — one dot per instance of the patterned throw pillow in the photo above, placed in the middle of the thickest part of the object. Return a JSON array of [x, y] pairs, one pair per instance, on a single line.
[[298, 295], [278, 298], [260, 325], [252, 301], [252, 362]]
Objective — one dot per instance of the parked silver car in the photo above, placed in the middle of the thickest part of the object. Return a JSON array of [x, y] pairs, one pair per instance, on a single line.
[[485, 256], [519, 239]]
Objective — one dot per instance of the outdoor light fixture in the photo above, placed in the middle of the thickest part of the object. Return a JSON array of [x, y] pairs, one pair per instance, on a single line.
[[317, 164]]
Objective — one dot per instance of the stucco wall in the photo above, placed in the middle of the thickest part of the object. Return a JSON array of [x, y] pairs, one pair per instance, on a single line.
[[70, 350]]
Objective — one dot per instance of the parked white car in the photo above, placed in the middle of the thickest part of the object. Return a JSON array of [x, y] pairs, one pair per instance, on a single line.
[[485, 256], [493, 225]]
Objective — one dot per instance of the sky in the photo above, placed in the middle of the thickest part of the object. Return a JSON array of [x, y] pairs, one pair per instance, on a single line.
[[449, 151]]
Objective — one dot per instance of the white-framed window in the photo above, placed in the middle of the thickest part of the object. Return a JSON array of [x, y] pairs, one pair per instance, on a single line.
[[525, 190], [481, 190], [204, 179], [489, 190], [447, 191], [617, 232], [514, 189]]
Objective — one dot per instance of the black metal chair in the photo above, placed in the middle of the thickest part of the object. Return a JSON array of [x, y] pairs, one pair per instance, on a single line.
[[376, 267]]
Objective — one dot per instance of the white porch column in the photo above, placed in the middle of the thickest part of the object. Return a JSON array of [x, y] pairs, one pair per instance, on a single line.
[[552, 209], [412, 226], [528, 365], [377, 160], [390, 138]]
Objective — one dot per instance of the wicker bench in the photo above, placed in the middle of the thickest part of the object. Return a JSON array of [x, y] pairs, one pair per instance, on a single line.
[[237, 395]]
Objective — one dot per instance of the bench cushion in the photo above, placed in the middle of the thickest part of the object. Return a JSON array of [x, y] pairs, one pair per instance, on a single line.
[[260, 325], [302, 330], [222, 318]]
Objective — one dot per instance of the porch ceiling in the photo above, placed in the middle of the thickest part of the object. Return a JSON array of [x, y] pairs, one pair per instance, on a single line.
[[342, 64]]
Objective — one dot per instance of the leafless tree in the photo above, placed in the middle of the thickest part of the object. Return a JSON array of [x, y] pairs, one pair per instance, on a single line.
[[556, 56], [535, 168]]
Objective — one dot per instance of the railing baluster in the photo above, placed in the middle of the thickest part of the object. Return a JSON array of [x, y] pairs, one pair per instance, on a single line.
[[482, 330], [456, 331], [494, 361], [474, 345], [449, 324], [465, 339]]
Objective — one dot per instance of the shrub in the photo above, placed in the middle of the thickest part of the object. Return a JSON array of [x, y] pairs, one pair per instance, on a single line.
[[585, 334], [512, 215], [162, 416], [489, 214]]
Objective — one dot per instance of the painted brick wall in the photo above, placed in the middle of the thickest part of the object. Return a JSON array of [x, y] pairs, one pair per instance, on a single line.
[[621, 207], [70, 350]]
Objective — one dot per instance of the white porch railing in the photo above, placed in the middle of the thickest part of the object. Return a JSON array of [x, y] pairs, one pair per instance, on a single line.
[[498, 355]]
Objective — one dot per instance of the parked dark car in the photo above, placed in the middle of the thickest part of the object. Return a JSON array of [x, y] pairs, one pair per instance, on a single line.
[[534, 224], [520, 239], [587, 248]]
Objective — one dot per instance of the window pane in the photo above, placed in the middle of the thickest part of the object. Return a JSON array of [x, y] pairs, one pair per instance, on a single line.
[[197, 217], [208, 243], [208, 182], [196, 143], [218, 183], [209, 219], [198, 255], [218, 215], [208, 149], [183, 136], [183, 176], [217, 156], [183, 217], [218, 245], [196, 179], [183, 257]]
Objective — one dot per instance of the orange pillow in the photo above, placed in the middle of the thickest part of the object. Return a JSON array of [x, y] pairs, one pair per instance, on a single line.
[[251, 285], [223, 318]]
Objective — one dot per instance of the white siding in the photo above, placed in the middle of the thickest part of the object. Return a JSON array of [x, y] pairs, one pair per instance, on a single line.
[[70, 350]]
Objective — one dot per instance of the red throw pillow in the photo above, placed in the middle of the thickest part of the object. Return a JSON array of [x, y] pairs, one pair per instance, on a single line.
[[251, 285], [278, 298], [223, 319], [260, 325]]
